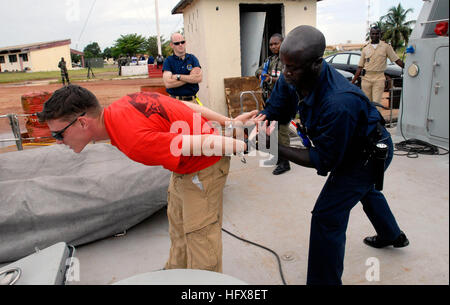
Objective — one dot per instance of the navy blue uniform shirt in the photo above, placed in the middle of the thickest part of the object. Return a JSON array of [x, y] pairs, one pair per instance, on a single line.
[[176, 65], [281, 106], [337, 115]]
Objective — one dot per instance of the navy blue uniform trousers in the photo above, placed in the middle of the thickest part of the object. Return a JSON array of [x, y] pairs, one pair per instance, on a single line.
[[341, 192]]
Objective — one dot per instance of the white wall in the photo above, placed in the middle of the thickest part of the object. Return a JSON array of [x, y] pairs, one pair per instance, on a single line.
[[295, 14], [15, 65], [213, 36], [48, 59], [134, 70]]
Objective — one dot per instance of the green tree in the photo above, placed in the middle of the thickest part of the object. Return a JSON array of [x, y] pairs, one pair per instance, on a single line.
[[107, 53], [166, 49], [151, 46], [129, 45], [75, 58], [397, 30], [92, 50], [381, 25], [115, 52]]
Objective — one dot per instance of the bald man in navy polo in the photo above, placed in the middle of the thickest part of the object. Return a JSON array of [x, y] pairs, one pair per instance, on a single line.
[[181, 71]]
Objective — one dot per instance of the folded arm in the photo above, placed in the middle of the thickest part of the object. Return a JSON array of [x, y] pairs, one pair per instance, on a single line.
[[170, 79]]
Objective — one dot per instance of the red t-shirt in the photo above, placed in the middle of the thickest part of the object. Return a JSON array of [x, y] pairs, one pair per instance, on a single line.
[[148, 128]]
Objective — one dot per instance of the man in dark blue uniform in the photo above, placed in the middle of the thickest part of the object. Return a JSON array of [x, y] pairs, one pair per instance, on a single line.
[[344, 128], [181, 71]]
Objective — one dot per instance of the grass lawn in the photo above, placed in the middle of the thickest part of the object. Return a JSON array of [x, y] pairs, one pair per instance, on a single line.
[[17, 77]]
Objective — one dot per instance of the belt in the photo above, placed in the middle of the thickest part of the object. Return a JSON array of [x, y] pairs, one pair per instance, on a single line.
[[184, 98]]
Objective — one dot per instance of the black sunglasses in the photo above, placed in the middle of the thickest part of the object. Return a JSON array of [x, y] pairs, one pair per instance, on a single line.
[[179, 42], [58, 135]]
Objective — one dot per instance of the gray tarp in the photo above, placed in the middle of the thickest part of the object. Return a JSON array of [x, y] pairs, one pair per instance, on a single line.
[[51, 194]]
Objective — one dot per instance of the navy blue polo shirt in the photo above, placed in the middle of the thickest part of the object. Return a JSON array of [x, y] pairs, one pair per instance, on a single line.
[[176, 65], [337, 115]]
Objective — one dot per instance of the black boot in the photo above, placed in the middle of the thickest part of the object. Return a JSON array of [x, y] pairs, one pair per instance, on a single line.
[[376, 242], [282, 167]]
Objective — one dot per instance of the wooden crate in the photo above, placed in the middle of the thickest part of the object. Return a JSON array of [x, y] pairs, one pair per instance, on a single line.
[[234, 86]]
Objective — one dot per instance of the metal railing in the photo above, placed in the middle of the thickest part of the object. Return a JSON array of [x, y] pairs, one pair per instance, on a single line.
[[15, 128], [391, 103], [391, 90], [433, 21], [252, 93]]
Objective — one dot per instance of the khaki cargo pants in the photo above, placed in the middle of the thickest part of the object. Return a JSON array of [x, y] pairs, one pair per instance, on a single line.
[[195, 218], [373, 85]]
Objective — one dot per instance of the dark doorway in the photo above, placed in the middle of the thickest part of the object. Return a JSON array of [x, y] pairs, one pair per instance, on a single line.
[[273, 23]]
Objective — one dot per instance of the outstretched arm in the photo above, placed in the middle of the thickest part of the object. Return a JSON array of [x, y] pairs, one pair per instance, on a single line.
[[210, 145], [297, 155], [211, 115]]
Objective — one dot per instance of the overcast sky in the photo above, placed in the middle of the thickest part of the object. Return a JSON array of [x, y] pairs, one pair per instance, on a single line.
[[103, 21]]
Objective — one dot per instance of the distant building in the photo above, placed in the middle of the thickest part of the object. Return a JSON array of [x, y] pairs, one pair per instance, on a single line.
[[230, 38], [81, 54], [37, 57]]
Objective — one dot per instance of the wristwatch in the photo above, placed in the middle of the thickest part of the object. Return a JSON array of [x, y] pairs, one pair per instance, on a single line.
[[178, 76]]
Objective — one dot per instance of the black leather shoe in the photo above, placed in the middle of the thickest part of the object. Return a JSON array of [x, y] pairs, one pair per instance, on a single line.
[[376, 242], [282, 167]]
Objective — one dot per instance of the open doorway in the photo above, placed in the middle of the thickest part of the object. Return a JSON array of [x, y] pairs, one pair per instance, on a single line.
[[258, 23]]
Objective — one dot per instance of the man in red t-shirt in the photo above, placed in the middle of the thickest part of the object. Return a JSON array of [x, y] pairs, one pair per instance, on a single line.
[[154, 129]]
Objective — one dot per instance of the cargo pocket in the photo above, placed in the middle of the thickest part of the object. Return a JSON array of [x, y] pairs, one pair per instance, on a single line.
[[204, 248], [225, 165]]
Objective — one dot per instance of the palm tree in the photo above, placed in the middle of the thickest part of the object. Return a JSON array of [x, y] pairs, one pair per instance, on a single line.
[[381, 25], [397, 31]]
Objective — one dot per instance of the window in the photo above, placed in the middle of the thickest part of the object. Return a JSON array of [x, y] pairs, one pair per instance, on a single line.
[[12, 58], [2, 59], [354, 59], [328, 59], [24, 57], [340, 59]]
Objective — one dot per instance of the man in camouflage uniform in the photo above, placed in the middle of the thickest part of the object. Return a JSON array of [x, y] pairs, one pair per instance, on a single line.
[[269, 78], [64, 74], [372, 65], [90, 72]]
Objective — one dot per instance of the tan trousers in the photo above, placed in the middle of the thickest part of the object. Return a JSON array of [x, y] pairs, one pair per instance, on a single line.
[[195, 218], [373, 85]]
